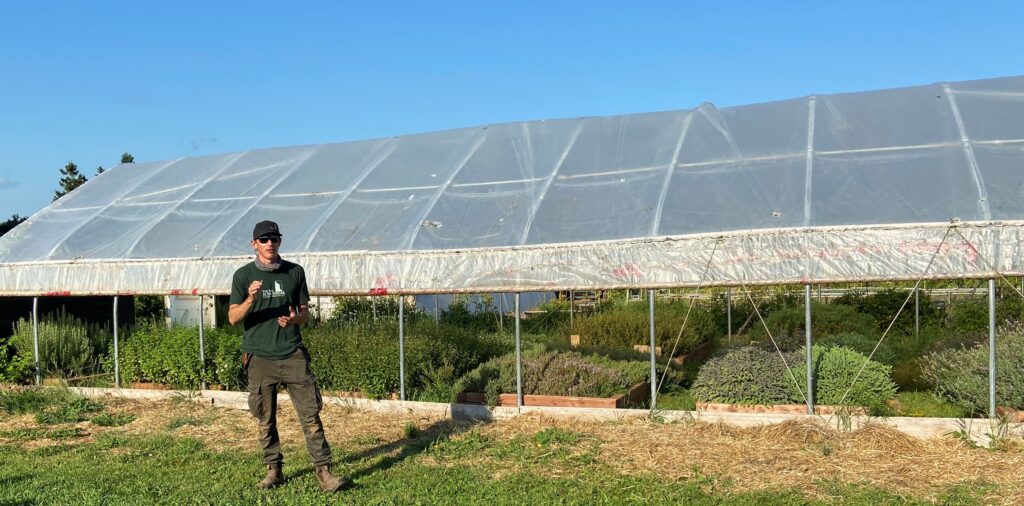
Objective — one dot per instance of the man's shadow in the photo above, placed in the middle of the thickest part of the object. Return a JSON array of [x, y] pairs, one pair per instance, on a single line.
[[406, 447]]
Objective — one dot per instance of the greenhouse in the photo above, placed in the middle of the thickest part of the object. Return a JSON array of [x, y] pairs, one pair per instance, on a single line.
[[905, 184]]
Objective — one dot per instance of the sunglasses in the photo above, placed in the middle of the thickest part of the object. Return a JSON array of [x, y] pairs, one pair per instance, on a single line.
[[263, 239]]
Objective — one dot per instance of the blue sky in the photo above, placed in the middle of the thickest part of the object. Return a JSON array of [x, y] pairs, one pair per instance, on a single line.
[[84, 81]]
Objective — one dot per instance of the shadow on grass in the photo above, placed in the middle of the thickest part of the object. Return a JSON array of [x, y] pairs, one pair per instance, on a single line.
[[408, 447], [386, 456]]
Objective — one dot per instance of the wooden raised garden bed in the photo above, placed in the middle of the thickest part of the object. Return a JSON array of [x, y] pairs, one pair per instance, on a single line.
[[636, 395]]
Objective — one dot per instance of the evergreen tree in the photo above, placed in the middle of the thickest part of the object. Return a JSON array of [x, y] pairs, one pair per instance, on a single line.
[[72, 179], [127, 157], [6, 226]]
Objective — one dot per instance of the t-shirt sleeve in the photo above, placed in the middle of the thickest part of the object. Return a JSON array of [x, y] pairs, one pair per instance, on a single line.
[[239, 290], [303, 289]]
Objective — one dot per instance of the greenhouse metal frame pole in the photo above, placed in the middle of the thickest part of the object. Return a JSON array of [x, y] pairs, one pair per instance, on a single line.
[[35, 340], [917, 311], [117, 362], [202, 346], [401, 348], [501, 313], [437, 318], [992, 348], [810, 355], [519, 359], [572, 299], [728, 311], [654, 372]]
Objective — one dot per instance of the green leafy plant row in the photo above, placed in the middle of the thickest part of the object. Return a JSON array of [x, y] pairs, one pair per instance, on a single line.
[[752, 375], [364, 356], [961, 375], [549, 372], [157, 353]]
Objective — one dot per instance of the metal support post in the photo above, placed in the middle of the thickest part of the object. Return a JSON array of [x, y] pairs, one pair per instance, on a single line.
[[519, 358], [917, 311], [401, 348], [654, 372], [35, 340], [992, 348], [572, 302], [437, 314], [808, 346], [202, 346], [501, 313], [728, 311], [373, 301], [117, 362]]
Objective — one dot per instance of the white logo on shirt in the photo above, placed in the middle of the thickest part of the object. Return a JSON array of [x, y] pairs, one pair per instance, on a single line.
[[278, 291]]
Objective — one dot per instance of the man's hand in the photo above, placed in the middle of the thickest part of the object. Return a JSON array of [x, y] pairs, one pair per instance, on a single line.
[[254, 288], [294, 318], [291, 319], [237, 312]]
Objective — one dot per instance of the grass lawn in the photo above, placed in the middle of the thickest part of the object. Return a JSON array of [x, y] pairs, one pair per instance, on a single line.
[[179, 452]]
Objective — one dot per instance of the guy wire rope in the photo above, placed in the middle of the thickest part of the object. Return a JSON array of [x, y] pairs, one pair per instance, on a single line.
[[893, 322], [776, 345], [668, 361], [988, 263]]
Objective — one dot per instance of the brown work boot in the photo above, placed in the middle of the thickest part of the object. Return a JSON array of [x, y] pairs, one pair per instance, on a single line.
[[274, 477], [328, 481]]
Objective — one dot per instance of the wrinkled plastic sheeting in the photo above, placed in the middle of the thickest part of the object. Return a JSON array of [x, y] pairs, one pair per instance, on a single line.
[[970, 250], [580, 202]]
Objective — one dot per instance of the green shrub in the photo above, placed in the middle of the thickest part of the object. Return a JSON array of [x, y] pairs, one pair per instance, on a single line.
[[482, 317], [365, 356], [960, 375], [749, 376], [68, 346], [752, 375], [787, 325], [864, 345], [884, 305], [625, 325], [970, 316], [349, 310], [225, 348], [160, 354], [549, 372], [14, 368], [835, 368]]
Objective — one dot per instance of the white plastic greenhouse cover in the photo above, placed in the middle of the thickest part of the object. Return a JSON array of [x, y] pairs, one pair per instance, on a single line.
[[857, 186]]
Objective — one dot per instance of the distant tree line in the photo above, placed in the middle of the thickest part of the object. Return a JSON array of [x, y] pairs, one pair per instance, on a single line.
[[70, 179]]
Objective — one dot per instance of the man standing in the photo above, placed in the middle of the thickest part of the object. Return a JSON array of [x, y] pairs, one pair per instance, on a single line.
[[270, 296]]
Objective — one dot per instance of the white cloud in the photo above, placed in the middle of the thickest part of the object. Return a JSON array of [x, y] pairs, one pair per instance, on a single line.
[[7, 183]]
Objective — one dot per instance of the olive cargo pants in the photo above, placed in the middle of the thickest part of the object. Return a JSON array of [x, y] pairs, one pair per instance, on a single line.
[[293, 372]]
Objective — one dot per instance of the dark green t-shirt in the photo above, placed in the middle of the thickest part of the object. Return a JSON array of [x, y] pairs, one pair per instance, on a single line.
[[281, 289]]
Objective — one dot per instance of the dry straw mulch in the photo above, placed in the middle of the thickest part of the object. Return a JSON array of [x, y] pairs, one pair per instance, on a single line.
[[793, 455]]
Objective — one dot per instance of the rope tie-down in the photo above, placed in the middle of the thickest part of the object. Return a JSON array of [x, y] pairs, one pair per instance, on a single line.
[[903, 306], [689, 307]]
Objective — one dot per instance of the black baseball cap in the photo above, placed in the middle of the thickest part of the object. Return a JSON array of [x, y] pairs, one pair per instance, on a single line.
[[265, 227]]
